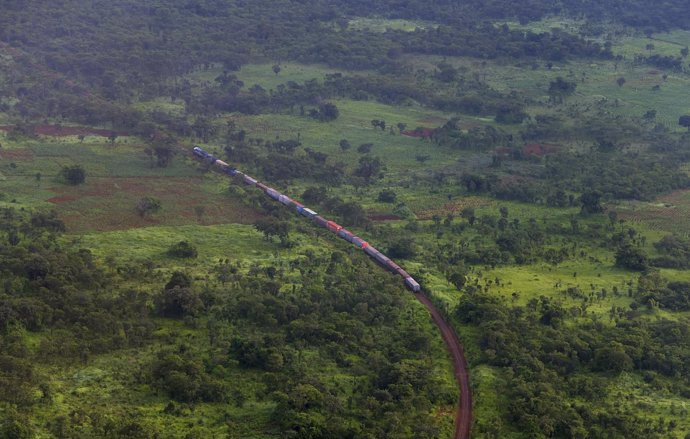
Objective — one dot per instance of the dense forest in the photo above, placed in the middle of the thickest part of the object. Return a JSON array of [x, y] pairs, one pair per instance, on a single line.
[[527, 161]]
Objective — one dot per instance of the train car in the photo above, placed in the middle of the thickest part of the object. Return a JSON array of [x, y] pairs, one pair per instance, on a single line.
[[404, 274], [284, 199], [382, 259], [200, 152], [230, 171], [296, 204], [261, 186], [371, 251], [221, 163], [248, 180], [307, 212], [321, 221], [346, 234], [359, 242], [412, 284], [392, 266], [333, 226], [273, 193]]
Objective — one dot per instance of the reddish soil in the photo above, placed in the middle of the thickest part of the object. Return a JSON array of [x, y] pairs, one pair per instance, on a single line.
[[105, 204], [432, 120], [16, 154], [61, 131], [383, 217], [463, 416], [454, 207], [423, 133], [61, 199], [539, 149]]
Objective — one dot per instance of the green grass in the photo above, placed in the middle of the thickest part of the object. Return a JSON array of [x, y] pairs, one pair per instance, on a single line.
[[383, 24], [234, 241], [398, 152]]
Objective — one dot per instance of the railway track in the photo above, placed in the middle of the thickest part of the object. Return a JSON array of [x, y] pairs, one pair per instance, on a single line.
[[463, 416]]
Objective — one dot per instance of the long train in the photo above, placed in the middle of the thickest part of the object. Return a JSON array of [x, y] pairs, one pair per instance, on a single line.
[[345, 234]]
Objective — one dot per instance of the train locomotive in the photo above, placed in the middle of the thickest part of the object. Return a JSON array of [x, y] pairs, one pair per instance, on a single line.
[[332, 226]]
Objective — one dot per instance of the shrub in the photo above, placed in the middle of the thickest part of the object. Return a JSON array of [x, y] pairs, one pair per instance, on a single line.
[[183, 249], [73, 175]]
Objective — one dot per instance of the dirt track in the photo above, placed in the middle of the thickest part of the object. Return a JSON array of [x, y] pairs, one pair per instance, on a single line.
[[463, 417]]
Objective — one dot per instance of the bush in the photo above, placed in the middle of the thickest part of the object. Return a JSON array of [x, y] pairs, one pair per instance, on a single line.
[[182, 249], [387, 196], [73, 175]]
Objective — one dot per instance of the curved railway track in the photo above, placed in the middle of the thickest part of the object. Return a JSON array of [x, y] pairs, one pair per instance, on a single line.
[[463, 416]]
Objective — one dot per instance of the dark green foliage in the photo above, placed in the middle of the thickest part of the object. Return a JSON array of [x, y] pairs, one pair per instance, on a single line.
[[684, 121], [73, 175], [548, 366], [387, 196], [365, 148], [326, 112], [184, 378], [675, 252], [403, 248], [182, 249], [561, 89], [631, 257], [14, 425], [270, 227], [591, 202], [370, 169]]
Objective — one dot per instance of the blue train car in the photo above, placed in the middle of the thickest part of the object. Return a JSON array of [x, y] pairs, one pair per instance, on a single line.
[[346, 235], [307, 212]]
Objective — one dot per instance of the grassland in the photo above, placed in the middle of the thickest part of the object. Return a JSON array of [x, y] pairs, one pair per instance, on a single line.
[[100, 215]]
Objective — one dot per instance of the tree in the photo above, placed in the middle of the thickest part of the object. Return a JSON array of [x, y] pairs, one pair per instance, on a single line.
[[684, 121], [387, 196], [684, 52], [401, 127], [326, 112], [620, 81], [73, 175], [402, 248], [591, 202], [270, 227], [364, 148], [631, 257], [276, 69], [560, 89], [370, 168], [468, 214], [446, 72], [649, 47], [183, 249], [147, 205], [345, 145]]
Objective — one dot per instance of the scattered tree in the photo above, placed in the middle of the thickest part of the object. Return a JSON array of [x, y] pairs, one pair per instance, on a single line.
[[73, 175], [684, 121], [182, 249], [147, 205]]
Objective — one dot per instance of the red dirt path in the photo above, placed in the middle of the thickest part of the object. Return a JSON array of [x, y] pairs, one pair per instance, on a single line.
[[62, 131], [463, 417]]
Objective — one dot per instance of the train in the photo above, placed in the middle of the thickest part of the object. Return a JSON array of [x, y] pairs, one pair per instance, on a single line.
[[310, 214]]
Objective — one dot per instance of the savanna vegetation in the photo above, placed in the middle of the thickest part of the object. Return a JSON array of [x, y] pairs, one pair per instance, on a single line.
[[528, 162]]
